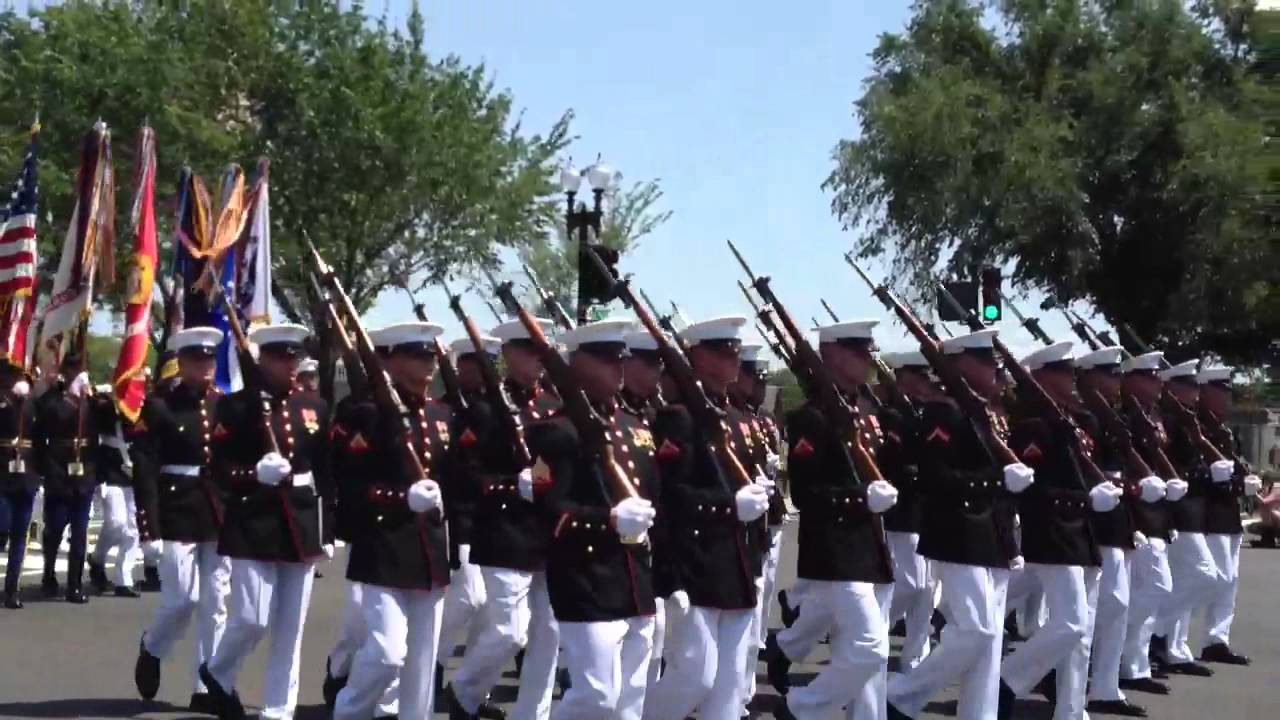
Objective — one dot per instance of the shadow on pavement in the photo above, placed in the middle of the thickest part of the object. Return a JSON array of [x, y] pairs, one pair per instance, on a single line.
[[111, 708]]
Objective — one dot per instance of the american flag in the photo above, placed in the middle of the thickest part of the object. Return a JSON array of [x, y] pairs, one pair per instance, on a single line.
[[18, 229]]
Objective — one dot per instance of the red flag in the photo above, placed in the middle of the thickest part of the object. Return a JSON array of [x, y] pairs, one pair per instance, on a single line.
[[129, 381]]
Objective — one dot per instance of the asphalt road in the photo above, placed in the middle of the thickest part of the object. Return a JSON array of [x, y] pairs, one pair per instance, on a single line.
[[63, 661]]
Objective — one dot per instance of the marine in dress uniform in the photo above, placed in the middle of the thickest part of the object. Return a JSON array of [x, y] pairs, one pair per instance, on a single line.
[[1057, 539], [1195, 573], [348, 469], [968, 534], [274, 529], [711, 538], [119, 507], [1223, 530], [599, 563], [399, 548], [18, 479], [65, 436], [512, 550], [1098, 379], [843, 552], [1150, 582], [179, 508]]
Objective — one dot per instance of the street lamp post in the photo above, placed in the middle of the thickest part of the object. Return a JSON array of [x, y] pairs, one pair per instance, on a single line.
[[581, 221]]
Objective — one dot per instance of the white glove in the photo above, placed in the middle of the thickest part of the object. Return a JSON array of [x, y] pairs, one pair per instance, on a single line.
[[21, 388], [80, 384], [1152, 488], [771, 464], [153, 547], [1175, 489], [524, 481], [769, 486], [424, 495], [1018, 477], [680, 599], [752, 501], [1104, 497], [881, 496], [1018, 563], [632, 517], [1222, 470], [1173, 536], [273, 468], [328, 550], [1252, 485], [1140, 540]]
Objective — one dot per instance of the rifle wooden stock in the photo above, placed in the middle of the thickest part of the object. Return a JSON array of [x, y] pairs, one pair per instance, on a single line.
[[708, 417], [1185, 415], [592, 429]]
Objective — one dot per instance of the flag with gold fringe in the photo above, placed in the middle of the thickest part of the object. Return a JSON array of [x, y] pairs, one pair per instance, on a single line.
[[129, 381]]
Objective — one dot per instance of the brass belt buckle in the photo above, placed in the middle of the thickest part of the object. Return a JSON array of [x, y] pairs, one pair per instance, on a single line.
[[75, 469], [17, 466]]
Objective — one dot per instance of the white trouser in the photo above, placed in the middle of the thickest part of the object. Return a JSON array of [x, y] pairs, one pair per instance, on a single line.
[[266, 596], [119, 530], [517, 614], [1110, 624], [1026, 601], [609, 667], [859, 651], [403, 637], [704, 667], [1194, 579], [463, 600], [912, 596], [765, 585], [1221, 609], [1150, 585], [970, 648], [659, 642], [193, 577], [353, 632], [1063, 643], [813, 624]]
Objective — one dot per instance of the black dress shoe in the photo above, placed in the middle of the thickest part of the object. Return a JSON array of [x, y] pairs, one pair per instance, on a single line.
[[124, 591], [13, 601], [1011, 633], [226, 705], [456, 712], [202, 703], [1048, 687], [489, 711], [1158, 652], [98, 578], [781, 711], [1116, 707], [49, 586], [896, 714], [519, 661], [332, 686], [146, 673], [76, 596], [150, 579], [1146, 685], [562, 679], [789, 613], [899, 629], [1189, 668], [1221, 653], [387, 717], [777, 665], [1004, 709]]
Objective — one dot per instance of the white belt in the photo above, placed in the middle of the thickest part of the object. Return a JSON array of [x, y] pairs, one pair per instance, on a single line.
[[305, 479], [183, 470], [113, 441]]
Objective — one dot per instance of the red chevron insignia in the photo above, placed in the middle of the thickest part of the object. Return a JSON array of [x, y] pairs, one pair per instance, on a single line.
[[940, 435], [668, 451], [1032, 453], [802, 449], [467, 439], [220, 431]]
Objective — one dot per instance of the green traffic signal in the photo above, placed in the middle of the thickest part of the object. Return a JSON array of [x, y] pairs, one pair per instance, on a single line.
[[991, 313]]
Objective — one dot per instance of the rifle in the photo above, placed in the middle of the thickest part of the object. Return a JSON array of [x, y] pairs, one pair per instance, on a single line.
[[1032, 324], [764, 316], [592, 428], [667, 323], [507, 414], [1034, 392], [549, 302], [826, 393], [172, 296], [494, 309], [971, 404], [250, 373], [356, 380], [674, 353], [448, 373], [1081, 329]]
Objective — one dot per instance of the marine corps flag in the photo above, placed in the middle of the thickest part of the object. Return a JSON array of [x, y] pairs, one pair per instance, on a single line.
[[129, 381], [90, 236]]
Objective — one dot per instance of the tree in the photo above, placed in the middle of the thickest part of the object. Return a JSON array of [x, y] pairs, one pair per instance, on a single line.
[[630, 215], [1102, 149], [390, 160]]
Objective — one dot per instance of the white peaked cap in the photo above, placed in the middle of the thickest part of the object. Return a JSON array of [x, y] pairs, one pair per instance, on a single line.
[[375, 337], [206, 337], [515, 330], [1181, 370], [410, 333], [728, 327], [1217, 373], [1149, 362], [1057, 352], [899, 360], [308, 366], [641, 340], [463, 345], [750, 352], [1100, 357], [601, 331], [282, 333], [852, 330], [973, 341]]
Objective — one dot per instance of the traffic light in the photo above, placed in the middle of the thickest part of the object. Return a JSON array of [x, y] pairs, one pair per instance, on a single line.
[[991, 310], [965, 292]]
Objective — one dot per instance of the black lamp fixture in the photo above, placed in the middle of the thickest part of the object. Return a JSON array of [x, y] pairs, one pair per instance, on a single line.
[[580, 221]]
